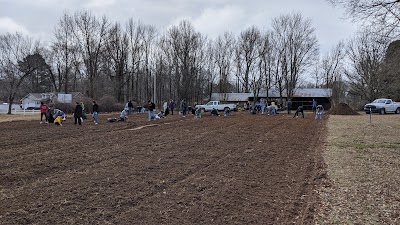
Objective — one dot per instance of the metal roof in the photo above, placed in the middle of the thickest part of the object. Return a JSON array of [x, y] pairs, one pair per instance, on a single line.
[[300, 92], [230, 97]]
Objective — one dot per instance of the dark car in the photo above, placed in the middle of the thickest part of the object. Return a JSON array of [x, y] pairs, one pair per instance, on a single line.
[[33, 108]]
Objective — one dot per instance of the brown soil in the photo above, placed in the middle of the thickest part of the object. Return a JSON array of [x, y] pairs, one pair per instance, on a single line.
[[342, 109], [244, 169]]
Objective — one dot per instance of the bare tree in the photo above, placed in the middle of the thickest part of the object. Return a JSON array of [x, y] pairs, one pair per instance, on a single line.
[[223, 52], [382, 15], [209, 68], [62, 54], [117, 47], [266, 60], [90, 34], [167, 59], [148, 38], [332, 64], [299, 47], [185, 42], [247, 54], [135, 33], [16, 64], [317, 75], [364, 72], [279, 68], [332, 70]]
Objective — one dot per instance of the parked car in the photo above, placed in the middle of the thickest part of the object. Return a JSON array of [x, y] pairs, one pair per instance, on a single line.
[[33, 108], [382, 106]]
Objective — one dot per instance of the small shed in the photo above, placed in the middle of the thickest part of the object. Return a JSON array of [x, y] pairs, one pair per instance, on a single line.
[[301, 96], [306, 96]]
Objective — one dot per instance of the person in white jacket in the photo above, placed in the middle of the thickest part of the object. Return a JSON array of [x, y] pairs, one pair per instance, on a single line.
[[165, 106]]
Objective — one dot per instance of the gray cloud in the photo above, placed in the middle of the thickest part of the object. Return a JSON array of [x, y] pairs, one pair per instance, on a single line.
[[210, 17]]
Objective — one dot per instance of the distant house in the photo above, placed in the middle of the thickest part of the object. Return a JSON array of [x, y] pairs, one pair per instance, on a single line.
[[301, 96], [33, 100]]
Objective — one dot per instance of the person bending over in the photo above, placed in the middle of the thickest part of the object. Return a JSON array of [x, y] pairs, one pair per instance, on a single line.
[[299, 109]]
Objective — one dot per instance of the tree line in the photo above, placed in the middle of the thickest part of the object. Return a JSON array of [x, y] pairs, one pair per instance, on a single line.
[[135, 61]]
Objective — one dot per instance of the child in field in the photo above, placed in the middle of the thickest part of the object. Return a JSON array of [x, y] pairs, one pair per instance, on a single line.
[[59, 117], [58, 121]]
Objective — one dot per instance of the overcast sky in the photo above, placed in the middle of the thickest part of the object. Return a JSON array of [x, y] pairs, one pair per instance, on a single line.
[[38, 18]]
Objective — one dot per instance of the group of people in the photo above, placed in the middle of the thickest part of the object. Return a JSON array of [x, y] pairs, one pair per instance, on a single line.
[[317, 109], [271, 109], [262, 107], [167, 108], [57, 116], [80, 113]]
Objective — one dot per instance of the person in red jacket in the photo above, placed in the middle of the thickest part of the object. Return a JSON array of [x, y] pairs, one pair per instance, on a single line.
[[43, 111]]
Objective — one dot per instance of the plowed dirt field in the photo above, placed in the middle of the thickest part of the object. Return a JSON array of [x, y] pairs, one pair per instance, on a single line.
[[243, 169]]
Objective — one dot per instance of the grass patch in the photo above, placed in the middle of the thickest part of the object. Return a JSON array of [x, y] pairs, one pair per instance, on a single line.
[[363, 166], [15, 117]]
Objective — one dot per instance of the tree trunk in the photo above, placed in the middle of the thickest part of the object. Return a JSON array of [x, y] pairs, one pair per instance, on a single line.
[[10, 101]]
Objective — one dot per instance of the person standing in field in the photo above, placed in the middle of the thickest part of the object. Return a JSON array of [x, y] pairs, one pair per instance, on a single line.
[[172, 106], [95, 114], [262, 103], [151, 108], [289, 106], [43, 112], [314, 105], [299, 109], [183, 107], [78, 113], [165, 106], [130, 107], [83, 117]]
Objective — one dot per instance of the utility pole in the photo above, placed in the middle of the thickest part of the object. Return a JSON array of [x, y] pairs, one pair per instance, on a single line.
[[155, 88]]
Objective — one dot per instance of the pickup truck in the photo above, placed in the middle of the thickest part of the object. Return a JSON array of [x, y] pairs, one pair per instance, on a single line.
[[382, 106], [216, 105]]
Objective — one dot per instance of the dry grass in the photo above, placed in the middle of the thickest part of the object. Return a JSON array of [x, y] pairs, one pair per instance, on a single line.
[[364, 170], [14, 117]]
